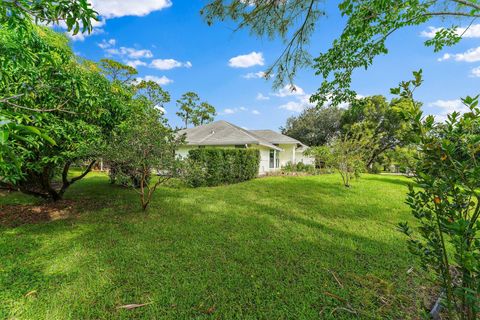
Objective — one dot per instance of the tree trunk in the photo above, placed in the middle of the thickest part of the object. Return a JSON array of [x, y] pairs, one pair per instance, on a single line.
[[40, 184]]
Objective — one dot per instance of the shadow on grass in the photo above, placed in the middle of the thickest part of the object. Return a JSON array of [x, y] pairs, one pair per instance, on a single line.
[[231, 252], [404, 181]]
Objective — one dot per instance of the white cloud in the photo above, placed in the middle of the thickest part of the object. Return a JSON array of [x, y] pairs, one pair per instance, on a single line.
[[121, 8], [256, 75], [130, 52], [163, 81], [261, 97], [472, 32], [289, 90], [233, 110], [295, 106], [475, 72], [471, 55], [135, 63], [444, 107], [167, 64], [105, 44], [302, 102], [255, 112], [229, 111], [247, 60]]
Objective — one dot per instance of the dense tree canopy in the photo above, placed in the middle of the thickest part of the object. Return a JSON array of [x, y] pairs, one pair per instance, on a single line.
[[369, 24], [74, 105], [381, 119], [314, 127]]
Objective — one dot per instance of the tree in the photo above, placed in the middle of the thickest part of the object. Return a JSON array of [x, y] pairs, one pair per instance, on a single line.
[[347, 154], [369, 24], [191, 110], [141, 145], [205, 114], [148, 95], [447, 203], [381, 119], [117, 71], [68, 99], [17, 130], [314, 126], [187, 105]]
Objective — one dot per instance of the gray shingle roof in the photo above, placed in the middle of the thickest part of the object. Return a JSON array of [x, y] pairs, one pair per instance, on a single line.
[[223, 133], [275, 137]]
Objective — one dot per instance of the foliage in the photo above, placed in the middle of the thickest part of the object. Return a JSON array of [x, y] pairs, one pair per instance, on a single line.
[[347, 152], [447, 204], [14, 139], [117, 71], [364, 37], [19, 132], [68, 99], [322, 155], [381, 120], [77, 14], [216, 166], [144, 144], [299, 167], [192, 111], [403, 157], [314, 126]]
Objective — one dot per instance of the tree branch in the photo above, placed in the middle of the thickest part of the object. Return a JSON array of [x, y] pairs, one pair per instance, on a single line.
[[468, 4], [59, 108], [89, 168]]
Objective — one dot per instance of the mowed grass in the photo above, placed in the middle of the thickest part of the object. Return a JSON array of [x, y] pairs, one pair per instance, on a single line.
[[271, 248]]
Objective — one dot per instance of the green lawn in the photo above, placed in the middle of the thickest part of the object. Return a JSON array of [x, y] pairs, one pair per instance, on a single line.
[[265, 249]]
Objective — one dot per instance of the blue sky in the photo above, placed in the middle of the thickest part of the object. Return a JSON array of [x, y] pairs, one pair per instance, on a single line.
[[168, 41]]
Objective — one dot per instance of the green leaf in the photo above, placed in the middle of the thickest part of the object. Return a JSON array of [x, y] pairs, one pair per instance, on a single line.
[[4, 134], [48, 139]]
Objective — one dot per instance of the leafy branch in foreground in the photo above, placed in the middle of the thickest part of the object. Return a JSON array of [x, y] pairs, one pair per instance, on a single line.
[[369, 24], [446, 203], [76, 14]]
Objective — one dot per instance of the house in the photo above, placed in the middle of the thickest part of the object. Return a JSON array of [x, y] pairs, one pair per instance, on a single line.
[[276, 149]]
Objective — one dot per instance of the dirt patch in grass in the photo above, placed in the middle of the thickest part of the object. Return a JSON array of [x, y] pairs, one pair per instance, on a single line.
[[17, 215]]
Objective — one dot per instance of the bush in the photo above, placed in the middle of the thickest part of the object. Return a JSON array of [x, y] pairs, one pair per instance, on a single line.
[[299, 167], [215, 166]]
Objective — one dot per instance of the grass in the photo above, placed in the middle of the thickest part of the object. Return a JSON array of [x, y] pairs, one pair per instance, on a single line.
[[271, 248]]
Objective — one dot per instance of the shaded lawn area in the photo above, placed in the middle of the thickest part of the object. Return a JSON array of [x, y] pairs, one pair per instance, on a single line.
[[270, 248]]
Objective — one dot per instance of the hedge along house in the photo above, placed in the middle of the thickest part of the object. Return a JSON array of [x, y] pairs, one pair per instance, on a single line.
[[276, 150]]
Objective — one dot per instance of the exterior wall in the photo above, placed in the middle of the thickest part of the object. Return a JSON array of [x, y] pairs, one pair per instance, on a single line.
[[289, 154], [264, 166], [305, 159]]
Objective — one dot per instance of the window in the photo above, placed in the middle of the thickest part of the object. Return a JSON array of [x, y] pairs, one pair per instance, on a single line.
[[272, 158], [277, 159]]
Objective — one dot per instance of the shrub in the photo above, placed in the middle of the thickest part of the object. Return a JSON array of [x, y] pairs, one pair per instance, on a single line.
[[446, 233], [215, 166], [299, 167]]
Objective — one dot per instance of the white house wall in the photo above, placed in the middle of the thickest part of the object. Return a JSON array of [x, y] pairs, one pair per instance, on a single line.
[[289, 154]]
